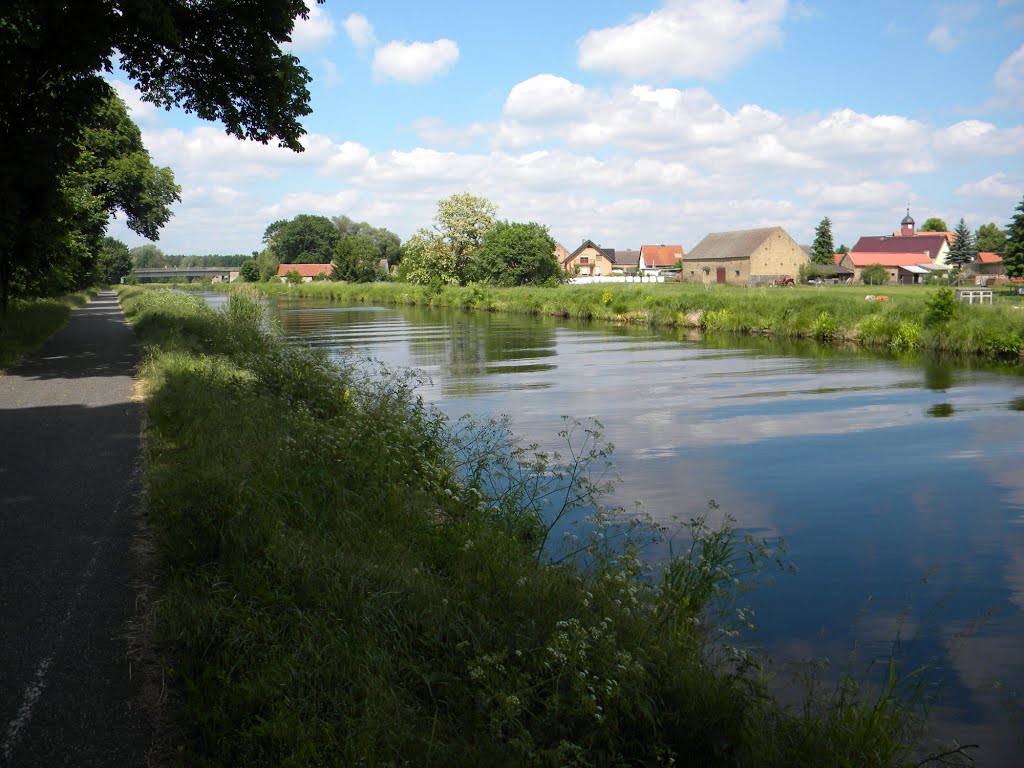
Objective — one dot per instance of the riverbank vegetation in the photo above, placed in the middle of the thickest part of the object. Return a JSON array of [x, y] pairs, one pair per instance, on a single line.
[[344, 577], [30, 322], [902, 318]]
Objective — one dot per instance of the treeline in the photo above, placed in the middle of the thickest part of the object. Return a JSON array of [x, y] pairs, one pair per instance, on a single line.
[[466, 244]]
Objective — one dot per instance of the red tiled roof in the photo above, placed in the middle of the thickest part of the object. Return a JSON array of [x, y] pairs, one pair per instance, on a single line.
[[987, 257], [866, 259], [932, 243], [305, 270], [837, 257], [661, 255]]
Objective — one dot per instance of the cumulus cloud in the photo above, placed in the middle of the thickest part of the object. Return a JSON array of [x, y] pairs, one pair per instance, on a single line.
[[941, 37], [414, 62], [315, 30], [359, 31], [1009, 79], [979, 137], [701, 39], [996, 186], [544, 97]]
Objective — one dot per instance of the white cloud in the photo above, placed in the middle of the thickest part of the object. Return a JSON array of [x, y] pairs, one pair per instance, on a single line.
[[544, 97], [315, 30], [414, 62], [979, 137], [941, 37], [993, 187], [331, 74], [700, 39], [862, 193], [141, 112], [359, 31], [1009, 78]]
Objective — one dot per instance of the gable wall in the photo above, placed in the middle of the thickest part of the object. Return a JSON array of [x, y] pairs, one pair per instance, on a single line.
[[597, 262], [777, 256]]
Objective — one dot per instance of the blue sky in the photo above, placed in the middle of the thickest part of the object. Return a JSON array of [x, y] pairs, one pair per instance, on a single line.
[[625, 122]]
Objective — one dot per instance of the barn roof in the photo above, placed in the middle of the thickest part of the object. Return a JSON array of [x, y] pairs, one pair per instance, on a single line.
[[731, 245]]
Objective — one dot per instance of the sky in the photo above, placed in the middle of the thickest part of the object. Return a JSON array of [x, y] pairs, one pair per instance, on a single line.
[[624, 122]]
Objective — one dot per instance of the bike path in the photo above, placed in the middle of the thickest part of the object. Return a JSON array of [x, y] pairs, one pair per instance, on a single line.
[[69, 453]]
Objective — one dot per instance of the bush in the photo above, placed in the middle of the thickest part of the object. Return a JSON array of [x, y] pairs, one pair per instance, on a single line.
[[941, 306], [875, 274], [824, 327]]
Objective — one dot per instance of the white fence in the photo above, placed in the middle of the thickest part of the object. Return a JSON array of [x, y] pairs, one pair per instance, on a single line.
[[618, 279]]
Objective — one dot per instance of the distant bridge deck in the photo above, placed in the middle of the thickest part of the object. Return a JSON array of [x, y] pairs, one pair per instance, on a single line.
[[224, 273]]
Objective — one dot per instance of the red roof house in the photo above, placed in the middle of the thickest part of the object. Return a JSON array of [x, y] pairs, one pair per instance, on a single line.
[[306, 271], [660, 256]]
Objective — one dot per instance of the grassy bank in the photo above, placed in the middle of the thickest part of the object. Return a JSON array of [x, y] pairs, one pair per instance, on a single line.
[[30, 322], [830, 314], [345, 578]]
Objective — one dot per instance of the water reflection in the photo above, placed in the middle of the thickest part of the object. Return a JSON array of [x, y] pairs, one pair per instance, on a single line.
[[896, 482]]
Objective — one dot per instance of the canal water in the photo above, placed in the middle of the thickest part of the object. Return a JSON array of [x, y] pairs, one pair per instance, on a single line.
[[897, 485]]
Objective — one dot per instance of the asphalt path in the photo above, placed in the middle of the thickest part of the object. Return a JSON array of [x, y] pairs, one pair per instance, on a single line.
[[69, 450]]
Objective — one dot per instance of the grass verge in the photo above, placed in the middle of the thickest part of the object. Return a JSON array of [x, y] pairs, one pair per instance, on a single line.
[[343, 577], [30, 322], [905, 322]]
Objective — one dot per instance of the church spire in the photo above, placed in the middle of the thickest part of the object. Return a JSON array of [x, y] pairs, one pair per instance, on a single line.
[[907, 225]]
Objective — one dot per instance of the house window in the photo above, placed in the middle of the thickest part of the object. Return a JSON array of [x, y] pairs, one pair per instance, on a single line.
[[737, 273], [584, 259]]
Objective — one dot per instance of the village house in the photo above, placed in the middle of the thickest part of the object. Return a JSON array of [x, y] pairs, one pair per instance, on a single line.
[[306, 271], [594, 261], [655, 258], [746, 257], [908, 257]]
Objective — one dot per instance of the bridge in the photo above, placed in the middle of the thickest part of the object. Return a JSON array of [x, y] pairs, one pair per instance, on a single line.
[[217, 274]]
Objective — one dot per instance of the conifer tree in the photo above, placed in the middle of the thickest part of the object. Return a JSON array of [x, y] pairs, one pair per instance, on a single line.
[[822, 251], [1013, 251], [963, 250]]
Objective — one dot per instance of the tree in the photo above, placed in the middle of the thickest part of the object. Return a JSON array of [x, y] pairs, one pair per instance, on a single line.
[[445, 253], [843, 249], [356, 258], [148, 257], [875, 274], [113, 261], [990, 238], [517, 254], [222, 61], [823, 250], [934, 224], [303, 240], [388, 244], [962, 251], [250, 271], [1013, 251], [57, 243]]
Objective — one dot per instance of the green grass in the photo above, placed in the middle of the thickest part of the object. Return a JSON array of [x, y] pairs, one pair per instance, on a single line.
[[30, 322], [343, 577], [829, 314]]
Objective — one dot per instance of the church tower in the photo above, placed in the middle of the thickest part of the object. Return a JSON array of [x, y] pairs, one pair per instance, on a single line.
[[907, 225]]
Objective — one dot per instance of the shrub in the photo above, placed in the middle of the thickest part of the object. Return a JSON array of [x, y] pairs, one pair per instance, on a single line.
[[941, 306], [824, 327], [292, 277], [875, 274], [907, 336]]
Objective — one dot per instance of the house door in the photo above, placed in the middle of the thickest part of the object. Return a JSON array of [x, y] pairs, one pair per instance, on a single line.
[[721, 274]]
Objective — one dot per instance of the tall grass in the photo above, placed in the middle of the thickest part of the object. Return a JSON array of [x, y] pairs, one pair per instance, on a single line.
[[30, 322], [344, 577], [835, 314]]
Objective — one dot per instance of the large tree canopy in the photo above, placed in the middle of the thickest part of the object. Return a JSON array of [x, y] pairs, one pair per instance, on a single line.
[[517, 254], [990, 238], [220, 60], [387, 243], [55, 244], [305, 239], [445, 253], [933, 224]]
